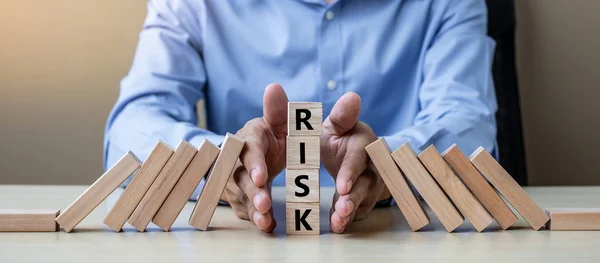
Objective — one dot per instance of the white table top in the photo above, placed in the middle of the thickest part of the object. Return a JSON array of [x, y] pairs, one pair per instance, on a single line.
[[384, 236]]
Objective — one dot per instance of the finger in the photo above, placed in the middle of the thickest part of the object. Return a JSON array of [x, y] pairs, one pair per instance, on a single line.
[[343, 116], [253, 159], [346, 205], [258, 197], [275, 109], [355, 162]]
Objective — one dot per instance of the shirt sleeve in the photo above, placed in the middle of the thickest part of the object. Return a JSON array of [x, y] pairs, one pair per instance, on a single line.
[[158, 97], [457, 99]]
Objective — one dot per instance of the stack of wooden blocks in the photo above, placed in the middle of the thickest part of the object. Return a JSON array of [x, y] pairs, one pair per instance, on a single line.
[[305, 123], [452, 184]]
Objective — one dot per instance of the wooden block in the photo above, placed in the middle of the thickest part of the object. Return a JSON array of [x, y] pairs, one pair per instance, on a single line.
[[571, 219], [302, 186], [302, 219], [138, 186], [305, 118], [183, 190], [161, 187], [98, 191], [409, 205], [408, 162], [509, 188], [303, 152], [17, 220], [455, 189], [217, 180], [479, 187]]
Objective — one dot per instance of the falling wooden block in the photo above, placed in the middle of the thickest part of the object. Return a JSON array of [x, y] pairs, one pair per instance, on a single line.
[[409, 205], [302, 186], [303, 152], [98, 191], [161, 187], [217, 180], [408, 162], [305, 118], [509, 188], [138, 186], [18, 220], [302, 218], [183, 190], [455, 189], [479, 187], [572, 219]]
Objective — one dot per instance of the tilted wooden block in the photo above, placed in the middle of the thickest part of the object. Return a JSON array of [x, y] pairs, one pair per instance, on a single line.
[[162, 186], [98, 191], [183, 190], [509, 188], [138, 186], [479, 187], [302, 186], [408, 162], [571, 219], [19, 220], [305, 118], [217, 180], [303, 152], [455, 189], [409, 205], [302, 218]]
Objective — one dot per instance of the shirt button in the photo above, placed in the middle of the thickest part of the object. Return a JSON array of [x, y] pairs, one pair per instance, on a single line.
[[329, 15], [331, 85]]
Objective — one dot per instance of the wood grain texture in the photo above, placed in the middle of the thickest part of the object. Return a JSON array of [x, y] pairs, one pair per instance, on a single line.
[[409, 205], [217, 180], [138, 186], [479, 187], [312, 218], [162, 186], [183, 190], [312, 152], [312, 183], [21, 220], [455, 189], [441, 206], [315, 120], [573, 219], [98, 191], [509, 188]]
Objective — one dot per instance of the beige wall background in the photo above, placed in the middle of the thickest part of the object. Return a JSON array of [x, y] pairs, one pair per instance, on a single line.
[[61, 62]]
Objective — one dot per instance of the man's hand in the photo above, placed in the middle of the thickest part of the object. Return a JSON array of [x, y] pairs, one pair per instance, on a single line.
[[263, 157], [358, 185]]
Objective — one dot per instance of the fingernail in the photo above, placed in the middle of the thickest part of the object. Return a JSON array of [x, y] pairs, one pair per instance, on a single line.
[[350, 206], [256, 217], [254, 174], [256, 200], [349, 185]]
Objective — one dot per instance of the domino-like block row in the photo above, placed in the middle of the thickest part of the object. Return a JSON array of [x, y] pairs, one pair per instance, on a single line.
[[450, 182], [161, 187], [305, 123]]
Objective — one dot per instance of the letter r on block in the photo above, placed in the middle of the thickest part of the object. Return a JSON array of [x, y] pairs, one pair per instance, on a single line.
[[305, 118]]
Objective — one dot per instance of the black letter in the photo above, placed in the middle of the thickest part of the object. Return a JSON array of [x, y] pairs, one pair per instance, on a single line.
[[302, 219], [301, 185], [302, 153], [304, 120]]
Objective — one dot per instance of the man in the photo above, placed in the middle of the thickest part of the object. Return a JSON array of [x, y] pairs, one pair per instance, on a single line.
[[412, 71]]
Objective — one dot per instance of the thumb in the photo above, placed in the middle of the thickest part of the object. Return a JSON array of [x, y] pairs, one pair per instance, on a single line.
[[275, 103], [344, 115]]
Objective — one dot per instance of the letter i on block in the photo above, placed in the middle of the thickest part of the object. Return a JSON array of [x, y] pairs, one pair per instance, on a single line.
[[305, 123]]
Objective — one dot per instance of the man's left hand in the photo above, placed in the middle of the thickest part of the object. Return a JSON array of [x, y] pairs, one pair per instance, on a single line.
[[358, 185]]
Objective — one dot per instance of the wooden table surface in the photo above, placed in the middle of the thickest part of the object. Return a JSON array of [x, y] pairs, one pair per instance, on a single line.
[[383, 236]]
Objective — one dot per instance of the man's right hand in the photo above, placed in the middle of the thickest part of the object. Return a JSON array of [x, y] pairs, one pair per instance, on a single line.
[[263, 157]]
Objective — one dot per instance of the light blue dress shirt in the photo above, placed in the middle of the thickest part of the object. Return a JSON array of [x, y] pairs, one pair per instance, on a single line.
[[422, 68]]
